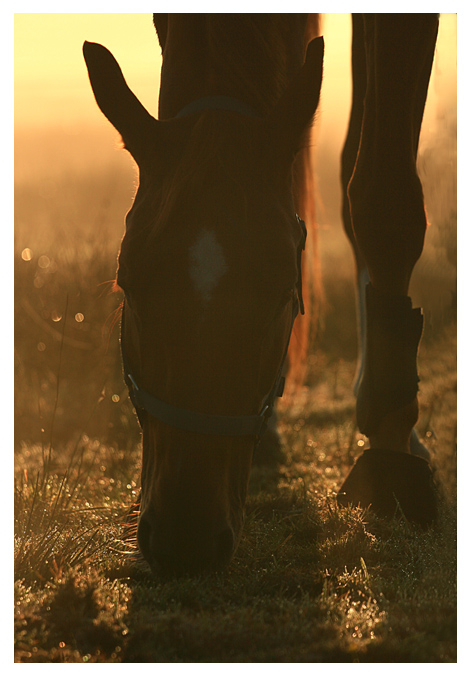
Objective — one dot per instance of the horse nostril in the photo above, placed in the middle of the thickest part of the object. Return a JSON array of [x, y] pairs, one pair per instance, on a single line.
[[225, 545]]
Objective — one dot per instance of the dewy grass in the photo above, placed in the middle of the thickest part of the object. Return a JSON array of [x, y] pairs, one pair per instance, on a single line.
[[311, 581], [52, 531]]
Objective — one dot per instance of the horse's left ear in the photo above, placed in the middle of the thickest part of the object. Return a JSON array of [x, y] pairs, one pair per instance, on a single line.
[[118, 103], [294, 112]]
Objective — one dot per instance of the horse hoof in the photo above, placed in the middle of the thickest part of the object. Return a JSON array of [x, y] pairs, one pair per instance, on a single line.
[[392, 484]]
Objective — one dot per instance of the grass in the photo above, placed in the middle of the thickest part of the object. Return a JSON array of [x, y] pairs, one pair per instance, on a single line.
[[311, 582]]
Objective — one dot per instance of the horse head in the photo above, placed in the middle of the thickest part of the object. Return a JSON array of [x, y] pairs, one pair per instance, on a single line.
[[210, 269]]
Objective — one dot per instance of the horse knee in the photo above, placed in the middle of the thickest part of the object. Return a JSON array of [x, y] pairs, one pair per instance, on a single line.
[[389, 223]]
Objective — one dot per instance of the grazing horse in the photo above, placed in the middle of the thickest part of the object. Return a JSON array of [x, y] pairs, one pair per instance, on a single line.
[[211, 260]]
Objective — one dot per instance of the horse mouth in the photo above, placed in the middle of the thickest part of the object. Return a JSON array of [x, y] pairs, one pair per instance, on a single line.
[[185, 552]]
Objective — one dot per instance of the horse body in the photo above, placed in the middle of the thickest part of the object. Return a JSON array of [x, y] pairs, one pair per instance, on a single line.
[[210, 261]]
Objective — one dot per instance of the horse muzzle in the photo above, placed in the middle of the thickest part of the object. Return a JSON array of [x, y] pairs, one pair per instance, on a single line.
[[185, 548]]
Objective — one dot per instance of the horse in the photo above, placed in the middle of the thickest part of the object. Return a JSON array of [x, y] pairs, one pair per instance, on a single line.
[[213, 256]]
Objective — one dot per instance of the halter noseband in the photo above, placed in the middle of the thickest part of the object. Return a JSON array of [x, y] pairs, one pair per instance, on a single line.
[[198, 422]]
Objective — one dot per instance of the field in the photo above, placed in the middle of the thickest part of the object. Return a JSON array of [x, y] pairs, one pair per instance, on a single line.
[[311, 582]]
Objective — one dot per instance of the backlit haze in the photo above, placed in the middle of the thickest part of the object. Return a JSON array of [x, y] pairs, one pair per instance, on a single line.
[[51, 84], [58, 126]]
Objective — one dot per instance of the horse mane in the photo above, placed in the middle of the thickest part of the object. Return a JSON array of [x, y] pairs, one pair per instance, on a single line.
[[304, 190], [261, 56]]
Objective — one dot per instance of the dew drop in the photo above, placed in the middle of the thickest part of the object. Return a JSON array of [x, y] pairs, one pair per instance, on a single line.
[[79, 317], [27, 254], [43, 261]]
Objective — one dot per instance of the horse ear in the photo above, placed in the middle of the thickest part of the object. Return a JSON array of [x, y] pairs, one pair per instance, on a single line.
[[294, 112], [117, 102]]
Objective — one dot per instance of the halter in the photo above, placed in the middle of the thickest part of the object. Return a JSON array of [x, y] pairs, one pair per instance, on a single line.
[[218, 102], [212, 424], [198, 422]]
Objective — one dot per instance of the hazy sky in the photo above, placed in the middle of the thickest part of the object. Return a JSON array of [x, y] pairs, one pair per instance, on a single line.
[[50, 75], [51, 84]]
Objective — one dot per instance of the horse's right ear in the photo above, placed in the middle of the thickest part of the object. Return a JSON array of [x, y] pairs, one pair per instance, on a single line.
[[118, 103]]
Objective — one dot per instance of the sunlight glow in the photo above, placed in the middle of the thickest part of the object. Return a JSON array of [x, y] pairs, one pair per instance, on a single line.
[[51, 83]]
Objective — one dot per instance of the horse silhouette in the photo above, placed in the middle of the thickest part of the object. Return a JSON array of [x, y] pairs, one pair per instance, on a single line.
[[213, 258]]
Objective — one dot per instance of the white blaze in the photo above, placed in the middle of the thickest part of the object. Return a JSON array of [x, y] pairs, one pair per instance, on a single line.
[[207, 264]]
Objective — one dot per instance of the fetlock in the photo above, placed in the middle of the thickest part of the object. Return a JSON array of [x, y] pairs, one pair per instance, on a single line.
[[387, 395]]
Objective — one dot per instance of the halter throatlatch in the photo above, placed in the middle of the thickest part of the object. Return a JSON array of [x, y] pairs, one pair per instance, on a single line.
[[300, 249], [217, 102], [212, 424]]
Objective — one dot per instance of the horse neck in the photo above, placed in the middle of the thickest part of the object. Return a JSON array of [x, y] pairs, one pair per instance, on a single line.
[[247, 57]]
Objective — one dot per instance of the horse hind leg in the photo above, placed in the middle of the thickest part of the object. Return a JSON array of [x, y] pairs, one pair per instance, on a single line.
[[387, 225]]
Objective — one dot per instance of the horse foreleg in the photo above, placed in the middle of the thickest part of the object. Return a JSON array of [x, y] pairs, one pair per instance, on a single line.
[[387, 227], [348, 161]]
